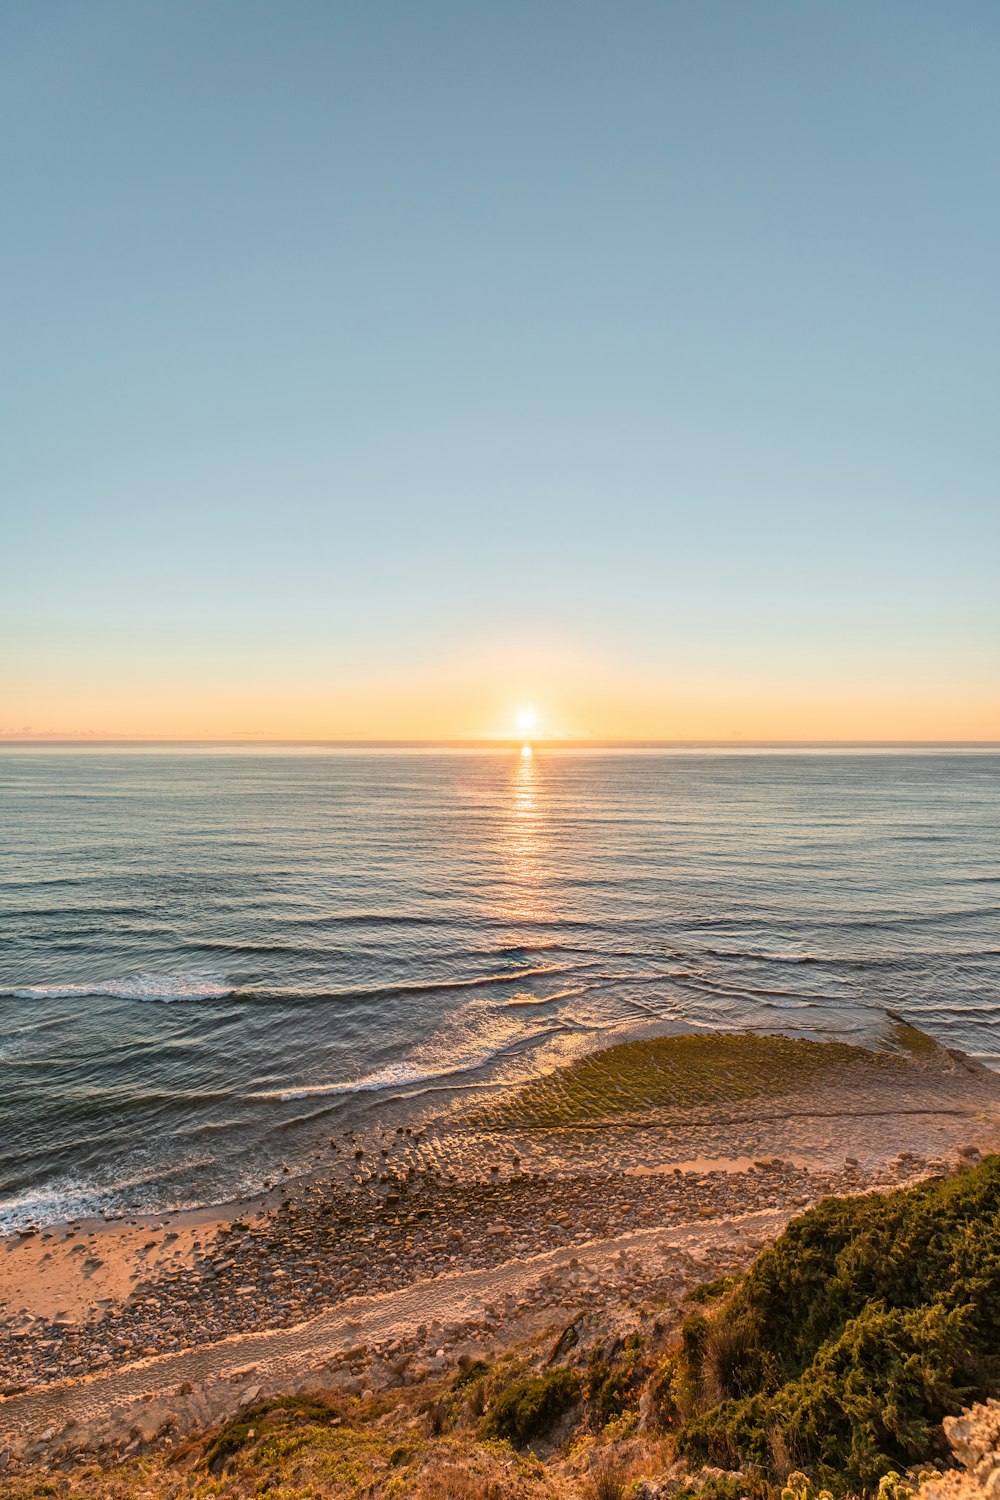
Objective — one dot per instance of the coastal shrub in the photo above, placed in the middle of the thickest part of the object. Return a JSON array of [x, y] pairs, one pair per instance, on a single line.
[[470, 1370], [252, 1422], [226, 1444], [799, 1487], [729, 1487], [531, 1406], [732, 1362], [711, 1291], [851, 1337], [663, 1393], [611, 1386]]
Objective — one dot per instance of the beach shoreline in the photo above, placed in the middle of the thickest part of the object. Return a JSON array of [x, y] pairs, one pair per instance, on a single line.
[[473, 1200]]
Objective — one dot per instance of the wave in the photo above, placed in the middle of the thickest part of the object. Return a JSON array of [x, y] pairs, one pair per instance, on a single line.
[[165, 1173], [98, 913], [318, 949], [517, 1001], [432, 986], [984, 1012], [394, 1075], [159, 987], [372, 919], [887, 921], [209, 1127], [409, 1074], [756, 955], [206, 986], [50, 1204], [404, 987], [735, 991], [69, 1199], [287, 950]]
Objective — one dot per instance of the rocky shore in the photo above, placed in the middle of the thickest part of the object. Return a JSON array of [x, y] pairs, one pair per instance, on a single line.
[[320, 1246], [414, 1247]]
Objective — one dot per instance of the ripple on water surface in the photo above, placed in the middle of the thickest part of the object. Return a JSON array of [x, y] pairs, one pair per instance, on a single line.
[[193, 946]]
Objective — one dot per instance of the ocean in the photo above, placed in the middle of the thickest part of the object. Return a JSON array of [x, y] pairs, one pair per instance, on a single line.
[[210, 960]]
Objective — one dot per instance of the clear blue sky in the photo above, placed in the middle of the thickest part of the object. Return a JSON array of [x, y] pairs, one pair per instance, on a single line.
[[353, 353]]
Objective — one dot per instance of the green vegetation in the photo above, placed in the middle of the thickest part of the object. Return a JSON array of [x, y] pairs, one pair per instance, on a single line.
[[680, 1072], [531, 1406], [733, 1487], [917, 1043], [612, 1385], [851, 1337], [468, 1372], [608, 1485], [263, 1420], [711, 1291]]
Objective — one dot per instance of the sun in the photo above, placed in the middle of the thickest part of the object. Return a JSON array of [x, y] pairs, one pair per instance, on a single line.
[[527, 720]]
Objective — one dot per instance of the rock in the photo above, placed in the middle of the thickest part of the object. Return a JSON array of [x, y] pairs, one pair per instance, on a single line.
[[974, 1434], [569, 1337], [349, 1384], [974, 1437]]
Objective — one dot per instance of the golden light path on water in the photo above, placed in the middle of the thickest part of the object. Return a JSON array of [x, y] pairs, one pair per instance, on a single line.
[[529, 850], [525, 844]]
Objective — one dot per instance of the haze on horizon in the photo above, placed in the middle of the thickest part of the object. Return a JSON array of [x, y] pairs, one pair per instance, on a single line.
[[378, 371]]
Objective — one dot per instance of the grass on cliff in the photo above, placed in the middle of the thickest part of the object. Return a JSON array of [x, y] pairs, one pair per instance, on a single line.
[[850, 1338], [528, 1408], [321, 1446], [680, 1072]]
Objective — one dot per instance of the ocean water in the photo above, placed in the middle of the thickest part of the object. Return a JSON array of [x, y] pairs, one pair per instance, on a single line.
[[209, 960]]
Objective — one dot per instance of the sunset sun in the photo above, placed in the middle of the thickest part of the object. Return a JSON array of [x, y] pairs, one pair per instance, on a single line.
[[527, 720]]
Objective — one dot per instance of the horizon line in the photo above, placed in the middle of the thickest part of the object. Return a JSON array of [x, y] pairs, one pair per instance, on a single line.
[[498, 742]]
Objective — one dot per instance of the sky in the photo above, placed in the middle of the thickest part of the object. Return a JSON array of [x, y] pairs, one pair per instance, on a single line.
[[380, 371]]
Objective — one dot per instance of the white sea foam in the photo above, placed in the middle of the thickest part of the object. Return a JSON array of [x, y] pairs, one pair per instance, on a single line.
[[64, 1199], [196, 985], [51, 1203], [395, 1075], [517, 1002]]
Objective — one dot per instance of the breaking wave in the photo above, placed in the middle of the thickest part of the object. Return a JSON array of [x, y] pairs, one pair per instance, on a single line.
[[162, 987], [395, 1075]]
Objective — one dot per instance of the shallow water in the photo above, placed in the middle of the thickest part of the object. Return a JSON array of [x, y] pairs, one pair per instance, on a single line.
[[209, 960]]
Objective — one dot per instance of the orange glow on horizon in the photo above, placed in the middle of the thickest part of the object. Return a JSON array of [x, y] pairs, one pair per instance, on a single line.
[[570, 694]]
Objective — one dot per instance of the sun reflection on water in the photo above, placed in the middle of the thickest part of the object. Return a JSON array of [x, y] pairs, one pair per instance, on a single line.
[[525, 840]]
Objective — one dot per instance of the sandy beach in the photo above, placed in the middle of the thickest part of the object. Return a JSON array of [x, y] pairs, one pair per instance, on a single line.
[[603, 1188]]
